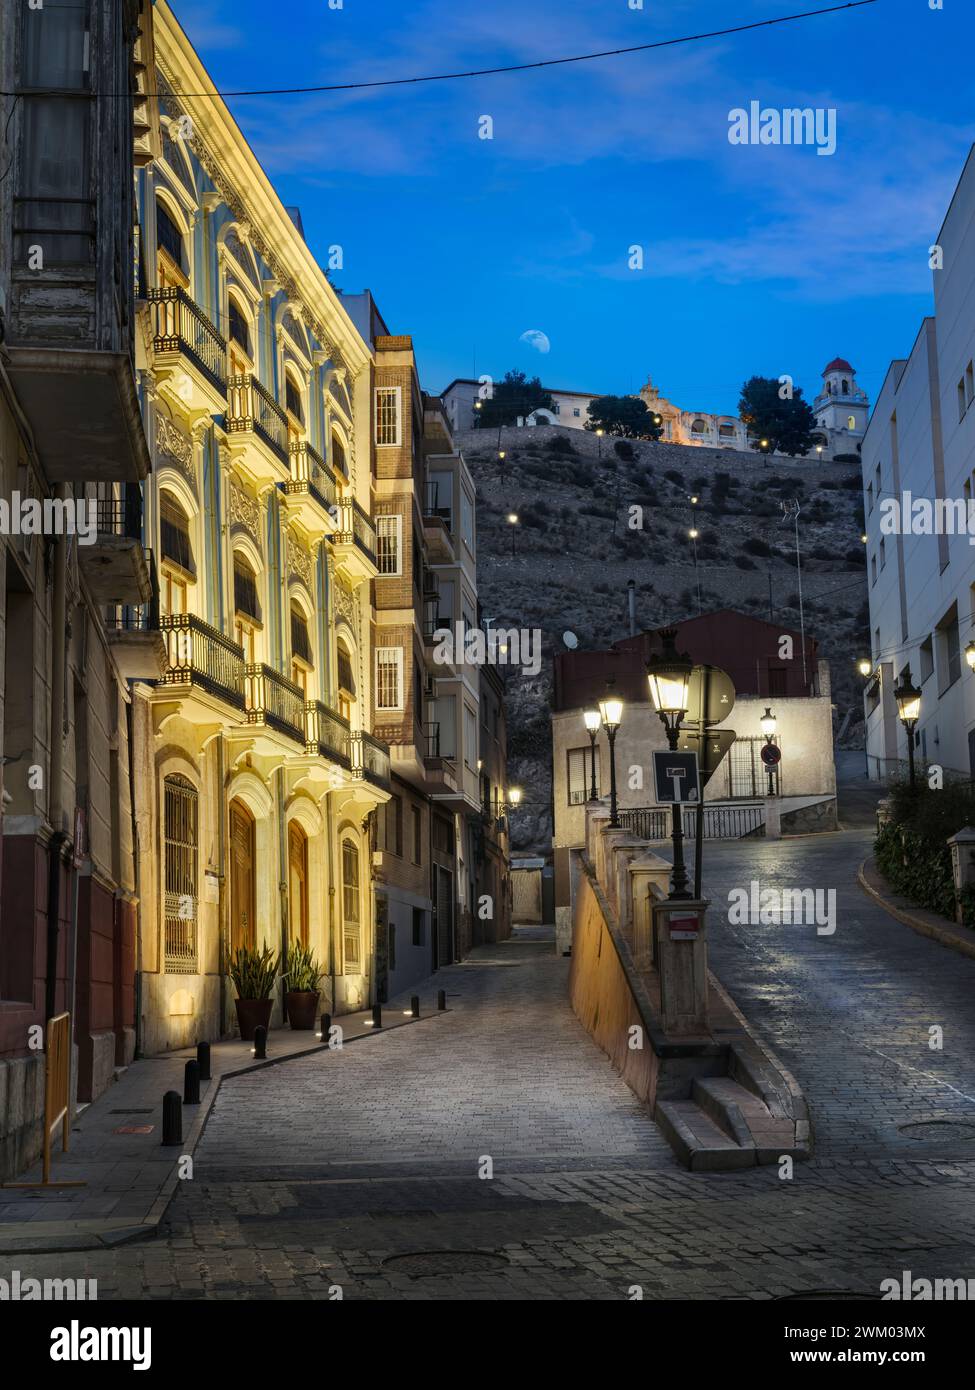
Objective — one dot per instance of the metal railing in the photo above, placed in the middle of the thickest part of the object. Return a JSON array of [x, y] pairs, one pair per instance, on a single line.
[[137, 617], [272, 699], [181, 955], [197, 654], [327, 734], [354, 525], [310, 473], [370, 758], [180, 325], [120, 516], [250, 406], [720, 822]]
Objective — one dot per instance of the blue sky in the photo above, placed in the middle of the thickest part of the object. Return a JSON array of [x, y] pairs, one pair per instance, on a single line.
[[757, 259]]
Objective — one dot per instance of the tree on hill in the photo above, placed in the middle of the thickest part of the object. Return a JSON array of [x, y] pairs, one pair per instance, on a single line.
[[623, 415], [787, 424], [513, 395]]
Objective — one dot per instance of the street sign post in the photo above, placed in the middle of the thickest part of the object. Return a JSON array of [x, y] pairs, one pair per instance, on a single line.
[[771, 756], [709, 746], [676, 777], [710, 700]]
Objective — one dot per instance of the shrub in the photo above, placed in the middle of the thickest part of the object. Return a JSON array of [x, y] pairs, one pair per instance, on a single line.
[[624, 450], [560, 444], [743, 563], [674, 477], [756, 546], [911, 848]]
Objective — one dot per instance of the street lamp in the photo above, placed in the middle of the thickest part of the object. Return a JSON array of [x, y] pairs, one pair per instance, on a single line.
[[599, 436], [514, 797], [908, 698], [970, 656], [593, 720], [611, 714], [669, 677], [694, 533], [512, 522], [865, 665]]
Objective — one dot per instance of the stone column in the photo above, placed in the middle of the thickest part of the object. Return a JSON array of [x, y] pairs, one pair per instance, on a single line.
[[682, 961]]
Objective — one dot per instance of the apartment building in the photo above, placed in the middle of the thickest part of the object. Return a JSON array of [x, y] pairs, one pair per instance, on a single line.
[[918, 480], [256, 770], [72, 455]]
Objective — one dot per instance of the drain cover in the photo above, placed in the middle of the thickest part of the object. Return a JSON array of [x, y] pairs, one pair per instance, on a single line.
[[423, 1263], [833, 1295], [939, 1129]]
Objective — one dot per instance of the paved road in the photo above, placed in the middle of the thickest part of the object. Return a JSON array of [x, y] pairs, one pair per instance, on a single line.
[[326, 1171]]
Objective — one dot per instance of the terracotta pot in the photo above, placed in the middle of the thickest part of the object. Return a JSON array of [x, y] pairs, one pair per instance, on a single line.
[[250, 1013], [302, 1007]]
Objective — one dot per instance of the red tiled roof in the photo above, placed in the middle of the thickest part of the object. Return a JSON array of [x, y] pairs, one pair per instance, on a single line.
[[839, 364]]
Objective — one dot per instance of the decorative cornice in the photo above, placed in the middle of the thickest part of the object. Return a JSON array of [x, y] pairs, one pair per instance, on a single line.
[[244, 512], [175, 447], [298, 562]]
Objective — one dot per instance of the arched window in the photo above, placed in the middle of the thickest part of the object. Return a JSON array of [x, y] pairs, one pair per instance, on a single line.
[[699, 427], [851, 422], [292, 399], [338, 456], [243, 865], [180, 831], [347, 693], [846, 387], [172, 263], [238, 329], [351, 925], [175, 553], [302, 662], [247, 608], [726, 431], [297, 883]]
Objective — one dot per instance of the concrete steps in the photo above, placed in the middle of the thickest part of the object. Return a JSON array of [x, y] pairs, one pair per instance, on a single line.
[[724, 1125]]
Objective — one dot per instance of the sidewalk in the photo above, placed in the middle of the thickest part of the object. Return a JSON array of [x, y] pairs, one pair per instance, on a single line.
[[129, 1177], [926, 923]]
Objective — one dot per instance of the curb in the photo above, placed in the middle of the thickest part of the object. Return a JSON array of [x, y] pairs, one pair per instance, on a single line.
[[960, 939], [69, 1241]]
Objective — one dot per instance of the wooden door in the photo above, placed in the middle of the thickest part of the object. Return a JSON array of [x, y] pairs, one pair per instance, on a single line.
[[242, 877], [297, 883]]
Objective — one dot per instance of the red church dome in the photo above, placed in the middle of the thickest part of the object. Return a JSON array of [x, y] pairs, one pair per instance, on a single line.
[[838, 364]]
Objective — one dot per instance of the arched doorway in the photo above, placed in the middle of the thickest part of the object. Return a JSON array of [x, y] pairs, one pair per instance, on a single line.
[[242, 877], [297, 883]]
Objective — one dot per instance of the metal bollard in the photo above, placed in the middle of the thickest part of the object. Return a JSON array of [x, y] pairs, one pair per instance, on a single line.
[[377, 1015], [326, 1026], [260, 1041], [441, 999], [203, 1058], [172, 1119], [415, 1005], [191, 1083]]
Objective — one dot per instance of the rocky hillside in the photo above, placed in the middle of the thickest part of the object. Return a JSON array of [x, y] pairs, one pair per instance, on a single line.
[[575, 551]]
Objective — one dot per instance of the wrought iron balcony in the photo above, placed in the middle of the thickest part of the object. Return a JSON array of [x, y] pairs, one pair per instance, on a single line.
[[355, 543], [310, 496], [327, 734], [113, 561], [180, 326], [197, 655], [370, 758], [251, 409], [271, 699]]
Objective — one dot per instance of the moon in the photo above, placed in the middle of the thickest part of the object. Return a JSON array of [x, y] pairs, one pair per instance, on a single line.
[[535, 338]]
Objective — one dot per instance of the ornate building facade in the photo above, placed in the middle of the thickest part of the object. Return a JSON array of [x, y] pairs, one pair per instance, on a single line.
[[252, 670]]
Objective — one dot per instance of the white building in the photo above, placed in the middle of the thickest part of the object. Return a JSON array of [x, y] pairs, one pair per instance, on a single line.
[[841, 410], [921, 440]]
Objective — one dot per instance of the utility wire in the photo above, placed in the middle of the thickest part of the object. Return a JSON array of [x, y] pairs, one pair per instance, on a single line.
[[521, 67]]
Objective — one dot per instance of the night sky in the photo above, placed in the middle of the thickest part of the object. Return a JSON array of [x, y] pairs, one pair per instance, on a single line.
[[764, 259]]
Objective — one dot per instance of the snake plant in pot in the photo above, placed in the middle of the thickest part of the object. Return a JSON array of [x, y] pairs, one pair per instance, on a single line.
[[302, 972], [253, 973]]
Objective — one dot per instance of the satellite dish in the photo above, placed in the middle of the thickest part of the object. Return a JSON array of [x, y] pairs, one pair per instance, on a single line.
[[570, 640]]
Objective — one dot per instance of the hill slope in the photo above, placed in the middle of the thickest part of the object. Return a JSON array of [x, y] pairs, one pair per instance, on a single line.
[[575, 549]]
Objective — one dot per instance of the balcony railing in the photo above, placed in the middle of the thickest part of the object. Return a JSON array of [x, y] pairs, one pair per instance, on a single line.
[[370, 758], [310, 473], [137, 617], [180, 325], [272, 699], [327, 734], [251, 407], [120, 517], [197, 654], [355, 525], [720, 822]]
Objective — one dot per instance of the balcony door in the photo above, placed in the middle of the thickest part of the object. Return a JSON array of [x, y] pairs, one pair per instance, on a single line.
[[298, 883], [242, 877]]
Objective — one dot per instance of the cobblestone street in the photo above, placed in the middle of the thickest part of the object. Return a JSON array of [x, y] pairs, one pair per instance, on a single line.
[[329, 1169]]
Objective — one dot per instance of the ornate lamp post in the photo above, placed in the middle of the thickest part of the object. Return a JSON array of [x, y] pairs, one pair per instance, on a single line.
[[593, 720], [865, 665], [611, 714], [514, 797], [669, 677], [908, 698]]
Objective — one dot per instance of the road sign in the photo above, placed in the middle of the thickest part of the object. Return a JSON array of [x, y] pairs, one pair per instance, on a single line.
[[771, 756], [710, 695], [710, 747], [676, 777], [683, 926]]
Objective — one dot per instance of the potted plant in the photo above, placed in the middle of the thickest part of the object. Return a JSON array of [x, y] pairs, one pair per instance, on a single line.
[[253, 973], [302, 972]]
